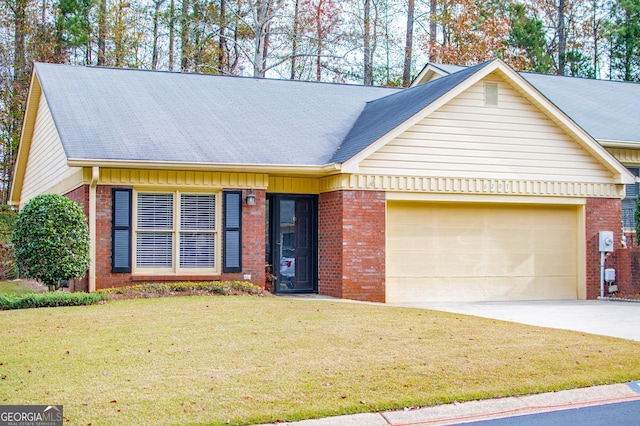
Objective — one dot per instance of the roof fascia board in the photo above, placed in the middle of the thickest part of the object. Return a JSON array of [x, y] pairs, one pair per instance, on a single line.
[[26, 136], [621, 174], [306, 170], [352, 165], [608, 143]]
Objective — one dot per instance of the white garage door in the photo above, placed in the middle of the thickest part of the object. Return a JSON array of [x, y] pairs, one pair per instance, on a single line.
[[474, 252]]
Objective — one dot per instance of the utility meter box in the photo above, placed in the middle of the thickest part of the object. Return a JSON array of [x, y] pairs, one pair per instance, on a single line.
[[609, 275], [606, 241]]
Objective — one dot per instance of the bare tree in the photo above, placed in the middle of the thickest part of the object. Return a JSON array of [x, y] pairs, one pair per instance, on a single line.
[[172, 35], [156, 18], [102, 32], [562, 41], [406, 75], [294, 38], [366, 39]]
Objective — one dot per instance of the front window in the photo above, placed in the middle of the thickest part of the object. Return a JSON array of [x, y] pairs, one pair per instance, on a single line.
[[176, 232]]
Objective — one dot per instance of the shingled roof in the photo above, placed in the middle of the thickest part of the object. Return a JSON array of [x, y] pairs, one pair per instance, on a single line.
[[151, 116], [608, 110], [133, 115]]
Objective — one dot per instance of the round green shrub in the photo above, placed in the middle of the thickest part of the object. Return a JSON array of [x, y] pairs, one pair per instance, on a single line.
[[51, 240]]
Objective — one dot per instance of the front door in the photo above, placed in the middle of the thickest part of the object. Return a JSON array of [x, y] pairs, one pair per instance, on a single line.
[[292, 229]]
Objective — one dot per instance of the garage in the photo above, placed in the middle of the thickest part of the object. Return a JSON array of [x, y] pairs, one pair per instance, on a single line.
[[481, 252]]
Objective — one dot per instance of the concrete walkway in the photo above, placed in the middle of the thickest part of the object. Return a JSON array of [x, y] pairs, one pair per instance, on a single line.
[[604, 317]]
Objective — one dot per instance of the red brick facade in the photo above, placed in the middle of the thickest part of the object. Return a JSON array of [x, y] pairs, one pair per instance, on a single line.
[[626, 261], [81, 196], [352, 245], [602, 214], [253, 243]]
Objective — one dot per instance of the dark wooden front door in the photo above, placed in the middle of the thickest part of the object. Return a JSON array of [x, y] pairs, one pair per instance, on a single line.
[[292, 242]]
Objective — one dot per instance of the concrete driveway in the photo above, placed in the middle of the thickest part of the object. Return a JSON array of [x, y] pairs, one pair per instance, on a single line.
[[608, 318]]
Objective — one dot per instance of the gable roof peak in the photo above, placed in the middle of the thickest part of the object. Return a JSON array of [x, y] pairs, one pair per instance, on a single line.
[[375, 120]]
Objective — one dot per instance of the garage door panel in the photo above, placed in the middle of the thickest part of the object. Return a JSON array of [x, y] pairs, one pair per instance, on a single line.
[[416, 289], [481, 252]]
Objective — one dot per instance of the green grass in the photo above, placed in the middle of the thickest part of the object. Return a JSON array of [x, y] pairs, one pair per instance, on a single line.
[[213, 360], [19, 287]]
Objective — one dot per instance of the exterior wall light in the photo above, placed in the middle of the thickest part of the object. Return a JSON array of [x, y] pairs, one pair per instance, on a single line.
[[251, 198]]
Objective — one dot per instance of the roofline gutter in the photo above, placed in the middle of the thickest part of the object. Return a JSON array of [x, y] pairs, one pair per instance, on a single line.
[[305, 170], [609, 143]]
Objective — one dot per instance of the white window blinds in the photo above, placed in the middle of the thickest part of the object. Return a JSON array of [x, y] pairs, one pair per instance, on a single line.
[[197, 227], [180, 239], [154, 240]]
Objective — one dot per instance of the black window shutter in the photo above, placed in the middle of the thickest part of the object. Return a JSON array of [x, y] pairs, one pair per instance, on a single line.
[[121, 230], [232, 261]]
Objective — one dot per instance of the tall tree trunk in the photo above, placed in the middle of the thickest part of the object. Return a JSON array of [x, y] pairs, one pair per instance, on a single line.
[[368, 68], [408, 47], [562, 43], [156, 19], [319, 42], [185, 57], [294, 38], [261, 18], [19, 46], [16, 98], [172, 35], [102, 32], [119, 36], [595, 26], [433, 27], [222, 42], [265, 51]]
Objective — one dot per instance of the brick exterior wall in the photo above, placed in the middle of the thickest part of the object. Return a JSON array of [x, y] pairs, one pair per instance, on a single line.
[[104, 212], [602, 214], [352, 245], [253, 240], [330, 236], [253, 243], [627, 264], [81, 196]]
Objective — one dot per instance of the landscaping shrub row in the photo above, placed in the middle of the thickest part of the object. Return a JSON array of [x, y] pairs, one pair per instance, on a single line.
[[225, 288], [46, 300]]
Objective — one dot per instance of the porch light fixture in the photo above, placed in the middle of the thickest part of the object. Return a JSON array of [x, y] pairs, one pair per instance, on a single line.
[[251, 198]]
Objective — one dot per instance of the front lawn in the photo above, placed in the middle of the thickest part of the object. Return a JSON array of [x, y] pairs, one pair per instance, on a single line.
[[19, 287], [213, 360]]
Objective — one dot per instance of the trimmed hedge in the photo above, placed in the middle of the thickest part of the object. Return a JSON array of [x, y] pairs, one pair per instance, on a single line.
[[224, 288], [48, 300]]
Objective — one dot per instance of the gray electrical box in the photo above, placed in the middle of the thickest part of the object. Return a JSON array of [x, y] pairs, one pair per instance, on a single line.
[[606, 241], [609, 275]]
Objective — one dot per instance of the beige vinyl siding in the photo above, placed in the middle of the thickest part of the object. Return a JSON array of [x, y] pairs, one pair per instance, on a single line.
[[475, 252], [465, 138], [47, 164]]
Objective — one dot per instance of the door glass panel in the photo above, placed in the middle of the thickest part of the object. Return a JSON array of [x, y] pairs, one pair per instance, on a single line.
[[287, 245]]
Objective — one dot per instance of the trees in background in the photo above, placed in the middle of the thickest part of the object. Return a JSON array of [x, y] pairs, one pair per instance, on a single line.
[[379, 42]]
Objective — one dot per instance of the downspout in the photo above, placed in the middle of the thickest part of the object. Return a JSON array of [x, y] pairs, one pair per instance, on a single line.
[[95, 175]]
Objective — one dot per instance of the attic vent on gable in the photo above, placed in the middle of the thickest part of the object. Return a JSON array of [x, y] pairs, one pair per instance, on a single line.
[[491, 94]]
